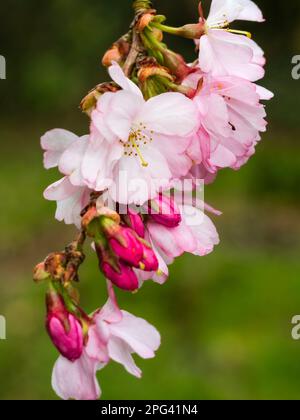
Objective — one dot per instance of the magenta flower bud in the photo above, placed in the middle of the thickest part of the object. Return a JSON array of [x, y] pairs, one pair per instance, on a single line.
[[126, 246], [122, 276], [64, 329], [135, 222], [163, 210], [150, 261]]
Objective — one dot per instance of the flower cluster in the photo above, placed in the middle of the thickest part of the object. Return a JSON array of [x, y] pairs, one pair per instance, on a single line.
[[158, 124]]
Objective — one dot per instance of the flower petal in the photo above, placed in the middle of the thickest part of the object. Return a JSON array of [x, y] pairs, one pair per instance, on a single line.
[[142, 337], [231, 10], [120, 352], [225, 54], [118, 76], [124, 107], [55, 142], [169, 113], [76, 380]]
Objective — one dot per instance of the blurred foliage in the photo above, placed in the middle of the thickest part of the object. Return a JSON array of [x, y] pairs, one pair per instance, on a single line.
[[224, 319]]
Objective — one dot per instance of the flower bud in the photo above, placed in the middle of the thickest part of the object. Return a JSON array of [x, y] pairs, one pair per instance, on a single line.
[[64, 329], [135, 222], [150, 261], [163, 210], [151, 70], [125, 244], [117, 53], [123, 276]]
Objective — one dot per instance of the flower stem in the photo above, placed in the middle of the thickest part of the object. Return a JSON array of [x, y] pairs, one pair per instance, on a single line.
[[167, 29], [136, 48]]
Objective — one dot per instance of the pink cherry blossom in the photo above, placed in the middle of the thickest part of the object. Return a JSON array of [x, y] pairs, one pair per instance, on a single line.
[[65, 150], [146, 140], [227, 52], [115, 335], [196, 234], [232, 118]]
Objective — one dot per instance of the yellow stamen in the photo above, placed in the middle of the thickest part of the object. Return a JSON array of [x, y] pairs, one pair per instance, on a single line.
[[142, 266], [132, 139], [225, 26], [234, 31]]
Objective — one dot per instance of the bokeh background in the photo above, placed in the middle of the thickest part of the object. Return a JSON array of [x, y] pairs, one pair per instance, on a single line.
[[225, 319]]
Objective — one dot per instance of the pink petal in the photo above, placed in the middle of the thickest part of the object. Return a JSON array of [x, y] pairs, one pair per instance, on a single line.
[[71, 159], [118, 76], [111, 312], [142, 337], [55, 142], [231, 10], [223, 53], [124, 108], [120, 352], [170, 114], [76, 380]]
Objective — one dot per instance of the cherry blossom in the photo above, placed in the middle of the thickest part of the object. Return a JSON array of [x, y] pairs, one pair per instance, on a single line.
[[114, 335], [228, 52], [145, 140]]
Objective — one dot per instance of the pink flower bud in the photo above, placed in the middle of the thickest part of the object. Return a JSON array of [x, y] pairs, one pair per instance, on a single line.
[[125, 244], [163, 210], [64, 328], [149, 262], [135, 222], [123, 276]]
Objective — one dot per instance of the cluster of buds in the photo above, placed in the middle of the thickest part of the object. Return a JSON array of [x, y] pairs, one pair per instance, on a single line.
[[120, 245]]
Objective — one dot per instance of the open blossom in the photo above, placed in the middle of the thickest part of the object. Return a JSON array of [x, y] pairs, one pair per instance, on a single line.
[[114, 335], [227, 52], [232, 119], [65, 150], [142, 140], [193, 233]]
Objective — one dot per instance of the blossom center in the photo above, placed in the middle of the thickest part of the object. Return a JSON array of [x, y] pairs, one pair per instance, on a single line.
[[137, 140]]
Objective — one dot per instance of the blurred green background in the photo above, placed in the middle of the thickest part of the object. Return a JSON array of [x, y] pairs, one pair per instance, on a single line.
[[225, 319]]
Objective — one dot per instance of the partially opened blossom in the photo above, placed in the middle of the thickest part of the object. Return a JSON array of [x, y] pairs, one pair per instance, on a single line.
[[115, 335], [229, 52], [195, 234], [232, 119], [65, 150], [144, 141]]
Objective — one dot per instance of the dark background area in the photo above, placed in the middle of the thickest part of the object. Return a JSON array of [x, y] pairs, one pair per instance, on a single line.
[[225, 319]]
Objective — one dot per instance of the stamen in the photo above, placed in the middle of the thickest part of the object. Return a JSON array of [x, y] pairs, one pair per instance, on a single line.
[[234, 31], [132, 139], [223, 24]]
